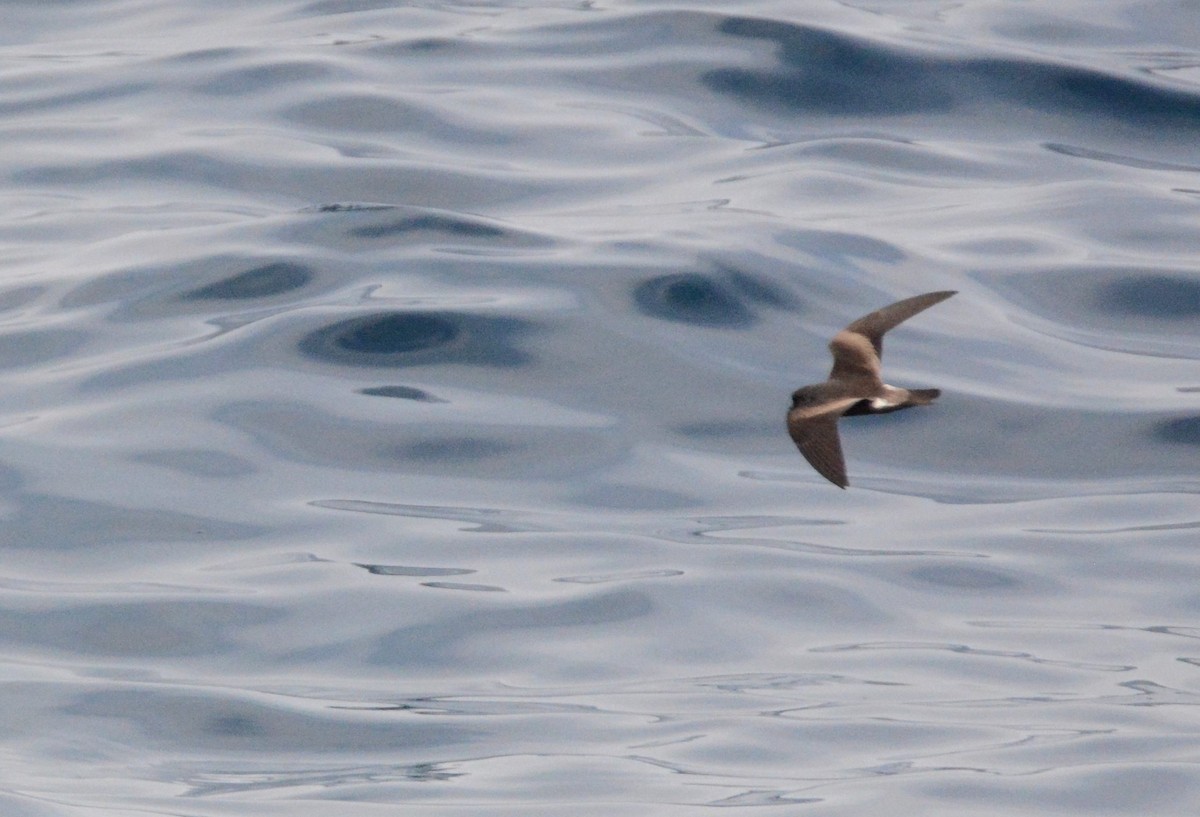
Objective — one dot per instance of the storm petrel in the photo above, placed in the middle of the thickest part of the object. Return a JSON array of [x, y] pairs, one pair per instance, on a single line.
[[855, 386]]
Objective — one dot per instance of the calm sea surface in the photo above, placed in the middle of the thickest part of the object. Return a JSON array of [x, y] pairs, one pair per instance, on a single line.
[[392, 396]]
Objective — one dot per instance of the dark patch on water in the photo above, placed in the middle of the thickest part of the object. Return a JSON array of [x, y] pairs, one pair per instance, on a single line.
[[759, 289], [349, 207], [1119, 159], [455, 449], [476, 588], [239, 726], [422, 44], [692, 298], [397, 333], [201, 56], [418, 338], [258, 78], [424, 572], [260, 282], [1153, 296], [199, 463], [171, 288], [832, 73], [1145, 310], [327, 7], [1060, 88], [448, 225], [1180, 431], [402, 393]]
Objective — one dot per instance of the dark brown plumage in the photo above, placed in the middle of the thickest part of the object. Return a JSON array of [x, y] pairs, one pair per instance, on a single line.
[[855, 386]]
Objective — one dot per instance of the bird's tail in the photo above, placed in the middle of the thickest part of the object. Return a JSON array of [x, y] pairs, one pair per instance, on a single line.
[[922, 397]]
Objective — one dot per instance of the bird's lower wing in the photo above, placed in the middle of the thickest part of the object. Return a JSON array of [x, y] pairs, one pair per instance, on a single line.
[[817, 438]]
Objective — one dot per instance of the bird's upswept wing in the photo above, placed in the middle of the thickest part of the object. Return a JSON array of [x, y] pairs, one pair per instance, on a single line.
[[858, 348]]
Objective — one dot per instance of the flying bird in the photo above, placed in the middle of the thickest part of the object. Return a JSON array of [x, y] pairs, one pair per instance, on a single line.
[[855, 386]]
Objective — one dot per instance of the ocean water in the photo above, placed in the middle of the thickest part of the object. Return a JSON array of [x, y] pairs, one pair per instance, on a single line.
[[393, 395]]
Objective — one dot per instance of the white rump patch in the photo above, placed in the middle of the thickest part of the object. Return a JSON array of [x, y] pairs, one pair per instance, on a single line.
[[894, 397]]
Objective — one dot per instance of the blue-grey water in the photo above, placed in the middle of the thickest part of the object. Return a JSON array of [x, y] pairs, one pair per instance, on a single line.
[[392, 396]]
